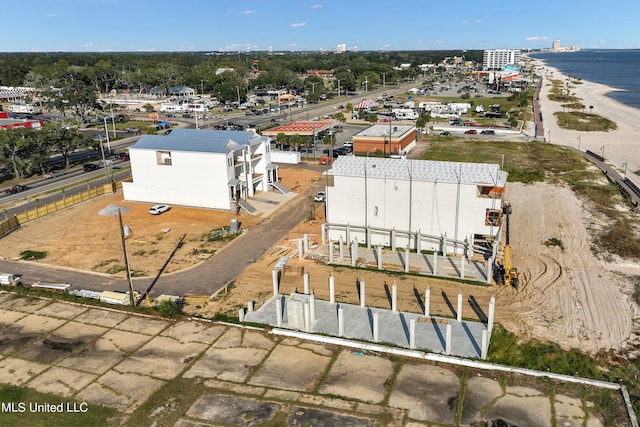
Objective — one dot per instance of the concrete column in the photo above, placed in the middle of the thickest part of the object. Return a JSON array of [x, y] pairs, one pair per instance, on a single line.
[[305, 245], [418, 242], [435, 263], [485, 344], [307, 317], [306, 283], [379, 252], [340, 322], [471, 246], [332, 289], [427, 301], [348, 233], [462, 265], [394, 297], [249, 306], [340, 248], [241, 314], [492, 306], [490, 269], [412, 334], [300, 249], [445, 244], [323, 230], [368, 238], [376, 327], [407, 253], [274, 280], [459, 312], [354, 253], [447, 340], [279, 311], [393, 239], [312, 307], [362, 294], [330, 248]]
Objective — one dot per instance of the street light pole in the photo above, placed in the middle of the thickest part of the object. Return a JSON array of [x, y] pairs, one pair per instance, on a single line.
[[602, 148], [238, 90], [578, 138], [625, 170], [339, 80]]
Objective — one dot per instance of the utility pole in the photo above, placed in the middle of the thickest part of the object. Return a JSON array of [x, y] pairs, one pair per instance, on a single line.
[[126, 260]]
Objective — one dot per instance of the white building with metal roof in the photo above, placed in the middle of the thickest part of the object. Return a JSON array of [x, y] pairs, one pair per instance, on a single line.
[[401, 202], [202, 168]]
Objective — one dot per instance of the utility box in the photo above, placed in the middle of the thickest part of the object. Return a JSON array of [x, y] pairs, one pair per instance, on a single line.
[[235, 225], [11, 279]]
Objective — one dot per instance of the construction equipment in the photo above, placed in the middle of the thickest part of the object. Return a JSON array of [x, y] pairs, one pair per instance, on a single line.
[[506, 274]]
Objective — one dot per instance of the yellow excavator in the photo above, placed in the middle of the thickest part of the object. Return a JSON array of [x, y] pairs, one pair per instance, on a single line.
[[507, 274]]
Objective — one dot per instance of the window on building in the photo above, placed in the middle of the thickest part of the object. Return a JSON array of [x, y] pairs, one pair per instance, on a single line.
[[492, 217], [163, 158]]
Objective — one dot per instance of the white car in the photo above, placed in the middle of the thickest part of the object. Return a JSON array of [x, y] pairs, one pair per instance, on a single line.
[[320, 197], [158, 209], [54, 174]]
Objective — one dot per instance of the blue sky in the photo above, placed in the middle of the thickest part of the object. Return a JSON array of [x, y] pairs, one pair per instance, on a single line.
[[299, 25]]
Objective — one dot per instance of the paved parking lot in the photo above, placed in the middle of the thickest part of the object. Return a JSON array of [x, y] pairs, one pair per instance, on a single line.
[[120, 360]]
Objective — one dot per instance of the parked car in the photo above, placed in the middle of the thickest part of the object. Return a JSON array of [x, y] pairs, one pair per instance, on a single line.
[[123, 156], [488, 132], [471, 132], [158, 209], [320, 197], [445, 133], [53, 174], [90, 167]]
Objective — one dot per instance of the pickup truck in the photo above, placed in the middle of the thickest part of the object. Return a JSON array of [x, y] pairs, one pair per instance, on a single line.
[[10, 279]]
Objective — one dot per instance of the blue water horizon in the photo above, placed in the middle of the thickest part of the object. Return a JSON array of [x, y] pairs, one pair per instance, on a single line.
[[617, 68]]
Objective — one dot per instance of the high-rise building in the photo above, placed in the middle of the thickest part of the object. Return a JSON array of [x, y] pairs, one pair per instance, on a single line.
[[341, 48], [495, 59]]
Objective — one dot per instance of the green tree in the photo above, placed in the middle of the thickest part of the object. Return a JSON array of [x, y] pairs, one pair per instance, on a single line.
[[281, 138], [63, 140], [16, 146], [296, 141]]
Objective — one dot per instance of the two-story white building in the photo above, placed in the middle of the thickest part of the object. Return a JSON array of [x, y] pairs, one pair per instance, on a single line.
[[415, 203], [201, 168]]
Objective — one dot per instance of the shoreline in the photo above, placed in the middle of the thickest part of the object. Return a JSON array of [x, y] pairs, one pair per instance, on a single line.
[[619, 146]]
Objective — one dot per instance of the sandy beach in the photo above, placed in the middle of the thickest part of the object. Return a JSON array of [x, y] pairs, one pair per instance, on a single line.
[[620, 145]]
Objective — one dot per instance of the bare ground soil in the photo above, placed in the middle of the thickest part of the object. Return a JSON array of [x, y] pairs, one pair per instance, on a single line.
[[566, 295]]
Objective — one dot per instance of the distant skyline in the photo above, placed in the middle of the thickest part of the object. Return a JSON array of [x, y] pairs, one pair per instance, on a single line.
[[312, 25]]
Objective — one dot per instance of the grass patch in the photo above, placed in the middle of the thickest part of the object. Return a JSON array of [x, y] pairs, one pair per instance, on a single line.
[[576, 120], [619, 239], [32, 255], [95, 415]]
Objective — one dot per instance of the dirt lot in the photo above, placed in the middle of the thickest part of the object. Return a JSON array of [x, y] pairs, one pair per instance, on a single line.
[[566, 295]]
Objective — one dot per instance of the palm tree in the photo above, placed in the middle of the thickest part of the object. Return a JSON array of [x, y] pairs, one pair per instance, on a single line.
[[590, 109]]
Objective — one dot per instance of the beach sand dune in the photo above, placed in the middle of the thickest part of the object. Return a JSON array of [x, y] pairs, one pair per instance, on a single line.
[[571, 296]]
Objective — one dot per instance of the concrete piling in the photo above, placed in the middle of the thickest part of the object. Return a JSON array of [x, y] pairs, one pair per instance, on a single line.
[[354, 253], [305, 245], [379, 256], [362, 294], [241, 314], [376, 327], [407, 253], [312, 306], [307, 317], [340, 322], [306, 283], [462, 265], [412, 334], [490, 262], [459, 312], [300, 249], [323, 230], [492, 306], [418, 242], [393, 239], [394, 297], [249, 306], [274, 280], [348, 233], [447, 348], [340, 248], [368, 238], [330, 248], [435, 263], [427, 301], [279, 311], [332, 289], [484, 346]]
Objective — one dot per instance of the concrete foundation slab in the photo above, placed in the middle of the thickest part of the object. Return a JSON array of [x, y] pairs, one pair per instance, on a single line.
[[232, 410], [106, 318], [143, 325], [428, 394], [8, 317], [124, 392], [61, 310], [227, 364], [18, 372], [480, 392], [194, 332], [61, 381], [290, 368], [346, 378], [521, 410], [26, 305], [317, 417]]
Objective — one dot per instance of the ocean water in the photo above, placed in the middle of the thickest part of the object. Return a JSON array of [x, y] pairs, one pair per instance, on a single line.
[[616, 68]]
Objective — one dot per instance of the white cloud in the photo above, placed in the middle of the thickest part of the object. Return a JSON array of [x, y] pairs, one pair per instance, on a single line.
[[474, 21], [537, 39], [317, 6], [248, 12], [297, 25], [88, 44], [51, 15], [240, 47]]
